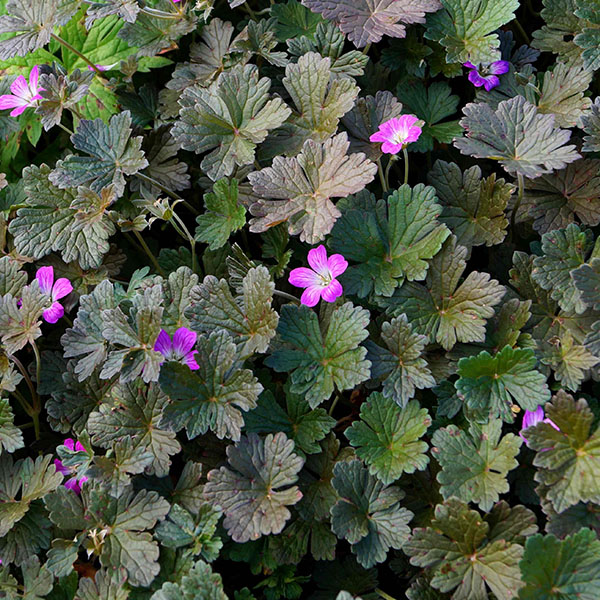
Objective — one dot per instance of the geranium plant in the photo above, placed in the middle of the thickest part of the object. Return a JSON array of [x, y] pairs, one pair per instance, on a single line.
[[299, 299]]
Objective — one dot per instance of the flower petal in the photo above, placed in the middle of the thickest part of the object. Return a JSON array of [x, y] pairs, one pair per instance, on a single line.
[[79, 447], [10, 101], [469, 65], [317, 259], [378, 136], [332, 291], [54, 313], [490, 82], [413, 134], [20, 88], [184, 340], [190, 361], [311, 295], [62, 287], [33, 79], [60, 468], [337, 264], [163, 343], [45, 277], [499, 67], [391, 148], [73, 484], [69, 443], [19, 110], [476, 79], [303, 277]]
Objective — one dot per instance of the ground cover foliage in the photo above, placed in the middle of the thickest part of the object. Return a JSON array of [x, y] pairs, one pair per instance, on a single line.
[[188, 411]]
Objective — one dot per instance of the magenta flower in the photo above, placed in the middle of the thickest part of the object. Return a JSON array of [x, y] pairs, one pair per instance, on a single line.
[[23, 94], [56, 290], [74, 483], [487, 76], [320, 280], [180, 349], [532, 418], [397, 133]]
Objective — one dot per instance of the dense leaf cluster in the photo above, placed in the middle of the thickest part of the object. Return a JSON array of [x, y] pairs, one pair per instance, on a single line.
[[190, 430]]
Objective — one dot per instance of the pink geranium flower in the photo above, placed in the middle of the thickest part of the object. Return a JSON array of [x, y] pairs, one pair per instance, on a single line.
[[23, 94], [397, 133], [180, 348], [56, 290], [73, 483], [532, 418], [320, 280], [487, 76]]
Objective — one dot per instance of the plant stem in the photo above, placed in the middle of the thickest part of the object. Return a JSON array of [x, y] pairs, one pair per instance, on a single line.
[[23, 402], [159, 14], [77, 53], [167, 191], [366, 48], [338, 395], [147, 250], [522, 31], [381, 176], [405, 152], [37, 405], [384, 595], [190, 238], [64, 128], [286, 295], [513, 215], [387, 170], [27, 380]]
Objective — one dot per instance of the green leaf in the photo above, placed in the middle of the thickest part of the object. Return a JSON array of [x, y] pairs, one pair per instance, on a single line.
[[213, 396], [367, 21], [249, 318], [20, 325], [113, 153], [525, 142], [432, 105], [305, 426], [230, 118], [490, 385], [558, 199], [364, 119], [320, 361], [134, 336], [26, 479], [71, 222], [11, 438], [293, 20], [320, 99], [590, 123], [105, 585], [589, 38], [400, 366], [127, 543], [587, 281], [472, 207], [224, 214], [98, 9], [441, 308], [470, 554], [182, 529], [466, 28], [37, 582], [562, 94], [475, 464], [390, 239], [568, 459], [368, 514], [564, 250], [298, 190], [200, 583], [255, 490], [561, 569], [12, 279], [136, 414], [388, 438]]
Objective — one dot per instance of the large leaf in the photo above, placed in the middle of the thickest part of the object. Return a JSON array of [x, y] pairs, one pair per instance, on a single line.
[[71, 222], [390, 239], [20, 317], [468, 554], [388, 438], [525, 142], [256, 488], [230, 117], [561, 569], [472, 206], [368, 514], [248, 318], [590, 123], [589, 38], [568, 459], [441, 308], [400, 365], [320, 361], [466, 28], [475, 464], [213, 396], [298, 190], [490, 385], [113, 153], [11, 438], [200, 583], [367, 21]]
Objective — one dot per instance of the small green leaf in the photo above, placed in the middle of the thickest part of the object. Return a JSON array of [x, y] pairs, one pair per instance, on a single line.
[[200, 583], [11, 438], [387, 437]]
